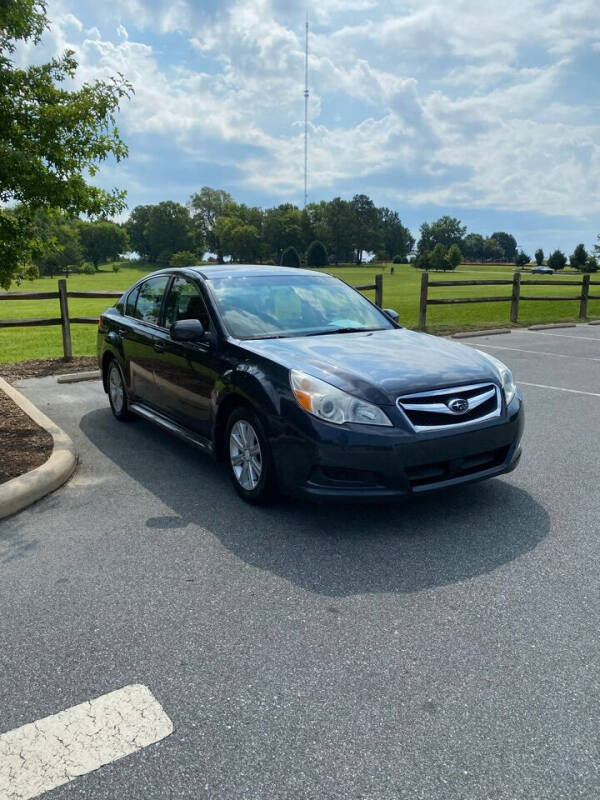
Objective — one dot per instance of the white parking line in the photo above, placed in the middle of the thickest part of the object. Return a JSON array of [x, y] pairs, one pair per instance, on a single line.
[[558, 388], [55, 750], [567, 336], [535, 352]]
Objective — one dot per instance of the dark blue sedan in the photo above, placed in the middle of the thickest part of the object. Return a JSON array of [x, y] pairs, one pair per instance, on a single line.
[[300, 384]]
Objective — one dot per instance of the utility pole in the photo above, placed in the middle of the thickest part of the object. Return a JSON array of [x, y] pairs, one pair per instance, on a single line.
[[306, 116]]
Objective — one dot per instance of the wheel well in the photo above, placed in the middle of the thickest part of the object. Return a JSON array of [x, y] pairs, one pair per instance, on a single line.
[[229, 404], [106, 359]]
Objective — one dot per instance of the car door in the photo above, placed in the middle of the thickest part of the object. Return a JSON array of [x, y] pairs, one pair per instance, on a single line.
[[141, 337], [186, 372]]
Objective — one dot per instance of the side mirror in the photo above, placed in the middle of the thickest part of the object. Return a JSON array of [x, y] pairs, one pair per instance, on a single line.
[[393, 315], [187, 330]]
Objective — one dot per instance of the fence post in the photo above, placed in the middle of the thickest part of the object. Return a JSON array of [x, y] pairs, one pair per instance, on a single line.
[[516, 294], [64, 319], [423, 302], [379, 290], [585, 291]]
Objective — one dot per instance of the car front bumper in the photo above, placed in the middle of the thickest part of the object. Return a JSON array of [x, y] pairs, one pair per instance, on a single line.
[[321, 461]]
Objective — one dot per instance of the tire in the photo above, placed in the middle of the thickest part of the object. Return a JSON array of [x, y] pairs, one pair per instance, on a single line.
[[248, 457], [117, 393]]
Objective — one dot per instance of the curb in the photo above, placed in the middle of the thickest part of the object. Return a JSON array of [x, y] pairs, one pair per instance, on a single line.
[[75, 377], [20, 492], [490, 332], [552, 325]]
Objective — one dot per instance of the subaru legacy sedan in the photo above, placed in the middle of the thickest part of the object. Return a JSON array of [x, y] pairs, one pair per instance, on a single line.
[[301, 385]]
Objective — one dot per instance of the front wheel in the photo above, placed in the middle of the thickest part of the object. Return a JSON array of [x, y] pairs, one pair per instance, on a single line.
[[117, 393], [248, 457]]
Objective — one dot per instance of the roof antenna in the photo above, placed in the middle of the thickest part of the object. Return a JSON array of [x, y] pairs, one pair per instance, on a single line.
[[306, 116]]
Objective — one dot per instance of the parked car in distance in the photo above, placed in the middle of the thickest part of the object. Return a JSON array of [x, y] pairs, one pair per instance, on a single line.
[[300, 384], [542, 270]]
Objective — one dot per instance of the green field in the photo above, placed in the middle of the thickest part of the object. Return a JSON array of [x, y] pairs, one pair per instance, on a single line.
[[401, 291]]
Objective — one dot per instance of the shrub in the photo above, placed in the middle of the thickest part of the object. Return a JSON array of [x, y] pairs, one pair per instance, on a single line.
[[88, 268], [316, 255], [539, 257], [397, 260], [31, 272], [437, 257], [557, 260], [290, 257], [116, 267], [422, 261], [183, 258]]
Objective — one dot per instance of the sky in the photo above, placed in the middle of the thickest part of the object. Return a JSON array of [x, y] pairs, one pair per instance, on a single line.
[[485, 110]]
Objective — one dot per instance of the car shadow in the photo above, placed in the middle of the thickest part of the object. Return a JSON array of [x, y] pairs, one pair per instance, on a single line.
[[333, 550]]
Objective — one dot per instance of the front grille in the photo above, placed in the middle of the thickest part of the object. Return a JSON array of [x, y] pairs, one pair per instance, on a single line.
[[428, 474], [438, 410]]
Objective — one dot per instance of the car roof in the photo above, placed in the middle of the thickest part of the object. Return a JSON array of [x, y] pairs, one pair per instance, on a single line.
[[245, 270]]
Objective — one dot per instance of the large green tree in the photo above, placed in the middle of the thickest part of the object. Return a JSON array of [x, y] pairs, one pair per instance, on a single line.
[[445, 230], [207, 206], [51, 137], [508, 243], [157, 232], [364, 225], [103, 241], [396, 239]]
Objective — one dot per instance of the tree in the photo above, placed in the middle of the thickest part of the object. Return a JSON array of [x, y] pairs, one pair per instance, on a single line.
[[364, 225], [508, 243], [579, 257], [156, 232], [454, 256], [290, 257], [522, 259], [591, 265], [539, 257], [396, 239], [51, 137], [183, 258], [338, 226], [207, 206], [473, 246], [103, 241], [316, 255], [422, 261], [437, 257], [557, 260], [445, 231], [492, 250], [238, 239], [63, 251], [282, 228]]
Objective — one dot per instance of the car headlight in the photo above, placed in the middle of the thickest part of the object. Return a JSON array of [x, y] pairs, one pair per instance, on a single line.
[[329, 403], [506, 377]]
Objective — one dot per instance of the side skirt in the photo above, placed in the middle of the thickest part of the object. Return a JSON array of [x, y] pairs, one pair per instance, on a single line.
[[173, 427]]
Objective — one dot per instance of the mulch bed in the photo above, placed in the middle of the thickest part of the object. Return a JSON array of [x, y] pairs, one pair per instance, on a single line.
[[41, 367], [23, 444]]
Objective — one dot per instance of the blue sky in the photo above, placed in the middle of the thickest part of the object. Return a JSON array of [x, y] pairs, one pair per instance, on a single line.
[[484, 110]]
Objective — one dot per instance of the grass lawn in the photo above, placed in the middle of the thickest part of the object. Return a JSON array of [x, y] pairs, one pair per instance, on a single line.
[[400, 291]]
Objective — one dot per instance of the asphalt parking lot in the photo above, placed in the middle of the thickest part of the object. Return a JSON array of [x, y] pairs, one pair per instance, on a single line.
[[443, 648]]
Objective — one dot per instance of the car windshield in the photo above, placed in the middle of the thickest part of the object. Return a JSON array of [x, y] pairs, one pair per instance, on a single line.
[[271, 306]]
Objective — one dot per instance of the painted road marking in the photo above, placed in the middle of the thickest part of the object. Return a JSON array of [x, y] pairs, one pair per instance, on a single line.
[[535, 352], [558, 388], [567, 336], [55, 750]]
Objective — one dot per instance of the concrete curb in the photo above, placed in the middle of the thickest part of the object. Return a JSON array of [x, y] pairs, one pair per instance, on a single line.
[[552, 325], [20, 492], [75, 377], [472, 334]]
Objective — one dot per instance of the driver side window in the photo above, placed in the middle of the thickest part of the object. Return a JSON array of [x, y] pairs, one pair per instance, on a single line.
[[186, 302]]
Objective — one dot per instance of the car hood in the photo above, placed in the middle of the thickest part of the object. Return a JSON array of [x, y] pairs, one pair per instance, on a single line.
[[379, 365]]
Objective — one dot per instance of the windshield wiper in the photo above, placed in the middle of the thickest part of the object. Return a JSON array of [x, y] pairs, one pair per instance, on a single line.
[[343, 330]]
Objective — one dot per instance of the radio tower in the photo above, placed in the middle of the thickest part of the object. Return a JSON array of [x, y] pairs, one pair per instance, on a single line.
[[306, 116]]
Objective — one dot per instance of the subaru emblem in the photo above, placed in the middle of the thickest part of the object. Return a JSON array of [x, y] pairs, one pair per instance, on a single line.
[[458, 405]]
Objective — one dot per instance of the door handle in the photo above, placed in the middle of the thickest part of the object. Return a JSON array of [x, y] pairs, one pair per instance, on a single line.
[[159, 347], [122, 331]]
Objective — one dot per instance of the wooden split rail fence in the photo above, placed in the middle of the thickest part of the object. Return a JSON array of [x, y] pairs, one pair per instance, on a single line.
[[64, 320], [514, 297]]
